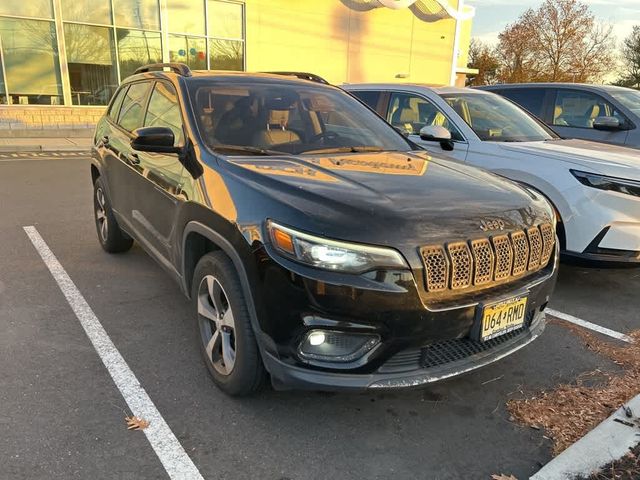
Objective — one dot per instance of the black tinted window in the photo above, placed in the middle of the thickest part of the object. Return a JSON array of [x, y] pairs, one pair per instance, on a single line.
[[132, 109], [164, 111], [115, 104], [370, 98], [531, 99]]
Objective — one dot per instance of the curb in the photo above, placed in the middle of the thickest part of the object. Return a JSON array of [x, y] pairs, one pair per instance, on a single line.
[[42, 148], [606, 443]]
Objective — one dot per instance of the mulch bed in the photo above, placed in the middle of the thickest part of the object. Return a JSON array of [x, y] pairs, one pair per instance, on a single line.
[[627, 468]]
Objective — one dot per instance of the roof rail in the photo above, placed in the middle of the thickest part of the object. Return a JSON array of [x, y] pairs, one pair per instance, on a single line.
[[179, 68], [312, 77]]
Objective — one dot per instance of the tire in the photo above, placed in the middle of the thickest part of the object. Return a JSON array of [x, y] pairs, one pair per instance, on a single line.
[[111, 237], [223, 326]]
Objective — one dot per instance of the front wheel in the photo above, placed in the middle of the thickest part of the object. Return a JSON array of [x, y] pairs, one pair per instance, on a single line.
[[226, 338], [111, 237]]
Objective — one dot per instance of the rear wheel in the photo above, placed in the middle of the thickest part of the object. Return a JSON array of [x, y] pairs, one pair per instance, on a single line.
[[111, 237], [226, 338]]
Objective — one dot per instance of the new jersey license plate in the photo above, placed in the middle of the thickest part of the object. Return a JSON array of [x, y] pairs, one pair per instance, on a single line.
[[503, 317]]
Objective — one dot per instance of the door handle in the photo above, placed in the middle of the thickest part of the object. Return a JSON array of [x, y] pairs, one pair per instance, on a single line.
[[105, 140], [133, 158]]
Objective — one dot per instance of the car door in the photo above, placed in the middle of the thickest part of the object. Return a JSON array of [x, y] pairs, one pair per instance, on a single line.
[[159, 194], [409, 112], [121, 163], [574, 112]]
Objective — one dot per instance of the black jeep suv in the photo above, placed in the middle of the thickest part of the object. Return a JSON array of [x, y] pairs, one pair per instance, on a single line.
[[317, 243]]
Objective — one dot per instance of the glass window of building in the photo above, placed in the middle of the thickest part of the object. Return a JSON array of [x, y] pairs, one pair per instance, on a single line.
[[142, 14], [137, 48], [27, 8], [226, 24], [164, 111], [186, 16], [92, 63], [189, 50], [225, 19], [30, 54], [132, 109], [90, 11], [3, 90], [226, 54]]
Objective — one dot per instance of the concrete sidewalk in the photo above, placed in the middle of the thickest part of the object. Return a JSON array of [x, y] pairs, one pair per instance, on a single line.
[[46, 144]]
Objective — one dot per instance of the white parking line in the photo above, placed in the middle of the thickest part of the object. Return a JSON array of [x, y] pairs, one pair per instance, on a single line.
[[173, 457], [591, 326]]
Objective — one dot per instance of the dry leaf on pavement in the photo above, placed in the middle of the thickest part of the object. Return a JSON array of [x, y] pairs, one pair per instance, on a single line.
[[502, 476], [136, 423]]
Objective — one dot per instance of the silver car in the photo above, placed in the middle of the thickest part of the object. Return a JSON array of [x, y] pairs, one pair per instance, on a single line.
[[601, 113]]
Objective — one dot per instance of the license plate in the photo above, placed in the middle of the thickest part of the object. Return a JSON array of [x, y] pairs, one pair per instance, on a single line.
[[503, 317]]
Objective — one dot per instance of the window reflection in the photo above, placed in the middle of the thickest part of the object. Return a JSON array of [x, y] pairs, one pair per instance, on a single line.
[[226, 54], [164, 111], [141, 14], [91, 60], [3, 89], [186, 16], [92, 11], [27, 8], [137, 48], [225, 19], [32, 78], [189, 50], [132, 109]]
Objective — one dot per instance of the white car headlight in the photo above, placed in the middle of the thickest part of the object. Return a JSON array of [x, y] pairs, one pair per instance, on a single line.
[[333, 255], [602, 182]]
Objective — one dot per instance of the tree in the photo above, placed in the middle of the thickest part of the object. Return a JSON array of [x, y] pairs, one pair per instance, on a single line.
[[561, 41], [631, 59], [483, 57]]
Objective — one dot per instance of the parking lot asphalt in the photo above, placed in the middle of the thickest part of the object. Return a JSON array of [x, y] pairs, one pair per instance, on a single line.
[[62, 416]]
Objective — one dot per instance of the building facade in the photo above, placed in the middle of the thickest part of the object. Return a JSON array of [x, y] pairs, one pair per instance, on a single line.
[[61, 60]]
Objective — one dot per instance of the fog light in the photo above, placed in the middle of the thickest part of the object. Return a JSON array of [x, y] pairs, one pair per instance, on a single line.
[[332, 346]]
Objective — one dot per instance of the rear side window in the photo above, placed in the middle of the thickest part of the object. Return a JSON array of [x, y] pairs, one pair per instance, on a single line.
[[114, 109], [132, 110], [370, 98], [164, 111], [574, 108], [531, 99]]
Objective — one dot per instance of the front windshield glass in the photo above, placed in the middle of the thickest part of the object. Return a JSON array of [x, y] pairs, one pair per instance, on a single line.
[[267, 117], [495, 119], [628, 98]]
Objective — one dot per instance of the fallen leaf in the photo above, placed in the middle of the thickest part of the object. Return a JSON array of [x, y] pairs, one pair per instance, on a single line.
[[502, 476], [136, 423]]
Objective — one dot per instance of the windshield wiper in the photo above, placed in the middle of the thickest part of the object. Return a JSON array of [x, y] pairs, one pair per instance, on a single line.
[[350, 149], [246, 149]]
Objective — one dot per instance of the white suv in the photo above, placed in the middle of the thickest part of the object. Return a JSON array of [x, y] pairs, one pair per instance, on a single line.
[[594, 187]]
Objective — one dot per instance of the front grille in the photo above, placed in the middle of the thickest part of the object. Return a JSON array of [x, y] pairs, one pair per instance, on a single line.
[[448, 351], [489, 260]]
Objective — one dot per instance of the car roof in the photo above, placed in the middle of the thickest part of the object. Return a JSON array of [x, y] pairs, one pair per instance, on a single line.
[[439, 89], [228, 76], [578, 86]]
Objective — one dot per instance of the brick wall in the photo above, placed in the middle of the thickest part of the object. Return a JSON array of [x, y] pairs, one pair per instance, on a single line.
[[34, 120]]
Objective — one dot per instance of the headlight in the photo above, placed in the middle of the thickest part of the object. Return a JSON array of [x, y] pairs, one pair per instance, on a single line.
[[602, 182], [332, 254]]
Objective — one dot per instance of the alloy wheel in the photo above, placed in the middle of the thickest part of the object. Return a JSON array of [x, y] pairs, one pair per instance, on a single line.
[[217, 327], [101, 214]]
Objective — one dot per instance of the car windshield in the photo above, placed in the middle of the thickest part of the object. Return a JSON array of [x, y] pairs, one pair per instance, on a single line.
[[628, 98], [266, 117], [495, 119]]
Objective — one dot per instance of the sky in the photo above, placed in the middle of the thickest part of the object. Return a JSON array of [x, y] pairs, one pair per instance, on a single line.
[[493, 15]]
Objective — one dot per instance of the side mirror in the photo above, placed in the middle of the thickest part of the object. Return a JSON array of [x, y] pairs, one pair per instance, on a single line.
[[437, 133], [154, 139], [607, 123]]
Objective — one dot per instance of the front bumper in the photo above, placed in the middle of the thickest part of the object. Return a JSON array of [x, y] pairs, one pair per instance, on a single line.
[[285, 376]]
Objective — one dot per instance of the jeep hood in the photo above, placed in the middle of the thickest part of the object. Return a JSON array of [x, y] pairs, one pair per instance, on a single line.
[[612, 160], [389, 197]]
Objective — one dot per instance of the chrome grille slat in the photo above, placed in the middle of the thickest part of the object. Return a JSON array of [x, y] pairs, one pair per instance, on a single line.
[[535, 246], [437, 268], [461, 265], [484, 261], [520, 252], [504, 256]]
